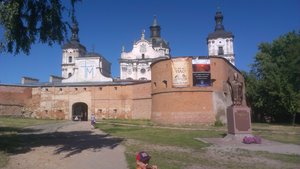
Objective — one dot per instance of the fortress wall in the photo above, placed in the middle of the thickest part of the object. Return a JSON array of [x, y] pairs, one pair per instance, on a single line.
[[191, 104], [13, 99]]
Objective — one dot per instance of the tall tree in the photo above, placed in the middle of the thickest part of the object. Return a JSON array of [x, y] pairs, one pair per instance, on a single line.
[[26, 22], [273, 84]]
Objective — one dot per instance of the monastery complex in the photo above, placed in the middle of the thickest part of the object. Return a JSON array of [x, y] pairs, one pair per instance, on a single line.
[[152, 85]]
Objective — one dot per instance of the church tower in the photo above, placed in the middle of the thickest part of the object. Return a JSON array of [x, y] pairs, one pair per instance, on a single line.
[[220, 42], [135, 65], [71, 50]]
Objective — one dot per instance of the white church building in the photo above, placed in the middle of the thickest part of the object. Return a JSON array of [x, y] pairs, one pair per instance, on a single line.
[[80, 66], [135, 65]]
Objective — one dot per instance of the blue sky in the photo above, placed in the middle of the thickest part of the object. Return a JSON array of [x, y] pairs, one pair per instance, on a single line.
[[106, 25]]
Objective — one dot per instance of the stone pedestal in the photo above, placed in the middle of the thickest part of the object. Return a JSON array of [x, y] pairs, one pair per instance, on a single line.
[[238, 120]]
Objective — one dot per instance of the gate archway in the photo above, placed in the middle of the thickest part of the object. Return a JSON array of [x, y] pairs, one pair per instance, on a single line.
[[80, 110]]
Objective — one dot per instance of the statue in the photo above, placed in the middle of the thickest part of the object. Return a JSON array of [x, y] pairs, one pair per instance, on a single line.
[[237, 90]]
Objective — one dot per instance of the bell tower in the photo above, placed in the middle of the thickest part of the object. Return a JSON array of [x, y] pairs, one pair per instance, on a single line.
[[71, 50], [220, 42]]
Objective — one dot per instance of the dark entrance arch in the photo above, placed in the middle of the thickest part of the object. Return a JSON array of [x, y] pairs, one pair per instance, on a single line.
[[80, 110]]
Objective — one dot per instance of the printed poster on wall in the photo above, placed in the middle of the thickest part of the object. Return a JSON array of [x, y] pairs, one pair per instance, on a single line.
[[201, 72], [180, 72]]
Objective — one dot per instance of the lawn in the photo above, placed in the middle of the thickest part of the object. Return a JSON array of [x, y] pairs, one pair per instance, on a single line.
[[175, 148], [280, 133], [9, 140]]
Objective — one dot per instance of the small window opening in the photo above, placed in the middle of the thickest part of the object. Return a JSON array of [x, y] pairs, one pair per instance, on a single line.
[[220, 51], [166, 83]]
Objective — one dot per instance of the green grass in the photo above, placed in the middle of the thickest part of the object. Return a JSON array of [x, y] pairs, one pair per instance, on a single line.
[[281, 133], [129, 121], [23, 122], [9, 139], [160, 143], [161, 136], [3, 159], [174, 148]]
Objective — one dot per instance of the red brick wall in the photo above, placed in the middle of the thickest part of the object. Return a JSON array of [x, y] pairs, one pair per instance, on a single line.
[[13, 99], [190, 105], [111, 101]]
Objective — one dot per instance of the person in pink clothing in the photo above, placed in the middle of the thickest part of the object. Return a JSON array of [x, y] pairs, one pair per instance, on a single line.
[[142, 161]]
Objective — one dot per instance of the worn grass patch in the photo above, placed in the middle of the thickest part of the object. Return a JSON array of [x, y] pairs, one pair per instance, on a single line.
[[280, 133], [23, 122], [9, 139], [287, 158], [3, 159]]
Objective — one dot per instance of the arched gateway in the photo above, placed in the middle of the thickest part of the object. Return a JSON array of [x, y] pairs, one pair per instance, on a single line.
[[80, 110]]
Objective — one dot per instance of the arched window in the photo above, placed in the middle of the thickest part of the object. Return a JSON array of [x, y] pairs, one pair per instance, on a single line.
[[70, 74], [70, 59]]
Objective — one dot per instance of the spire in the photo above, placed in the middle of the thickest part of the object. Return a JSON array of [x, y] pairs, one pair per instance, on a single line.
[[155, 28], [143, 34], [155, 21], [75, 31], [219, 20], [123, 48]]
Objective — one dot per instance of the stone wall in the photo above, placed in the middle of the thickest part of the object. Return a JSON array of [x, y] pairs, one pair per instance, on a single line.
[[106, 101], [13, 100]]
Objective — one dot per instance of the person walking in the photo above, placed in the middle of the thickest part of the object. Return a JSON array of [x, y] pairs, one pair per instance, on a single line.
[[93, 120]]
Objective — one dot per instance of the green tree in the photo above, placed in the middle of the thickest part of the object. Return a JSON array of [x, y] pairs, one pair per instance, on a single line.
[[26, 22], [273, 84]]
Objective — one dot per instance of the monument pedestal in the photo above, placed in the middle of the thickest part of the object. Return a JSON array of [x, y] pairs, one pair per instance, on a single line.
[[238, 120]]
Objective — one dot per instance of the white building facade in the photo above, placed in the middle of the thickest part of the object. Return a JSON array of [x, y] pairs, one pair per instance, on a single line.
[[135, 65], [220, 42], [80, 66]]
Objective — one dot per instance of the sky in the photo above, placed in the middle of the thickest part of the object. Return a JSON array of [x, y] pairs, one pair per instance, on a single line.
[[106, 25]]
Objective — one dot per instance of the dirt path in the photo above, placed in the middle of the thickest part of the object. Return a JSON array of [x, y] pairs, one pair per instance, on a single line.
[[69, 145]]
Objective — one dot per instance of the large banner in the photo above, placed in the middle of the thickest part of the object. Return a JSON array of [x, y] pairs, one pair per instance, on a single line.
[[201, 72], [180, 72]]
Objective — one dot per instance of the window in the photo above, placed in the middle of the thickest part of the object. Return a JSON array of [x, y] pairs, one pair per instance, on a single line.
[[143, 56], [70, 74], [70, 59], [143, 70], [166, 83], [220, 51]]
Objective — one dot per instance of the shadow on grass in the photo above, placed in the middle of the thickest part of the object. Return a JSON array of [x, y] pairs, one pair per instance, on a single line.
[[66, 142]]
